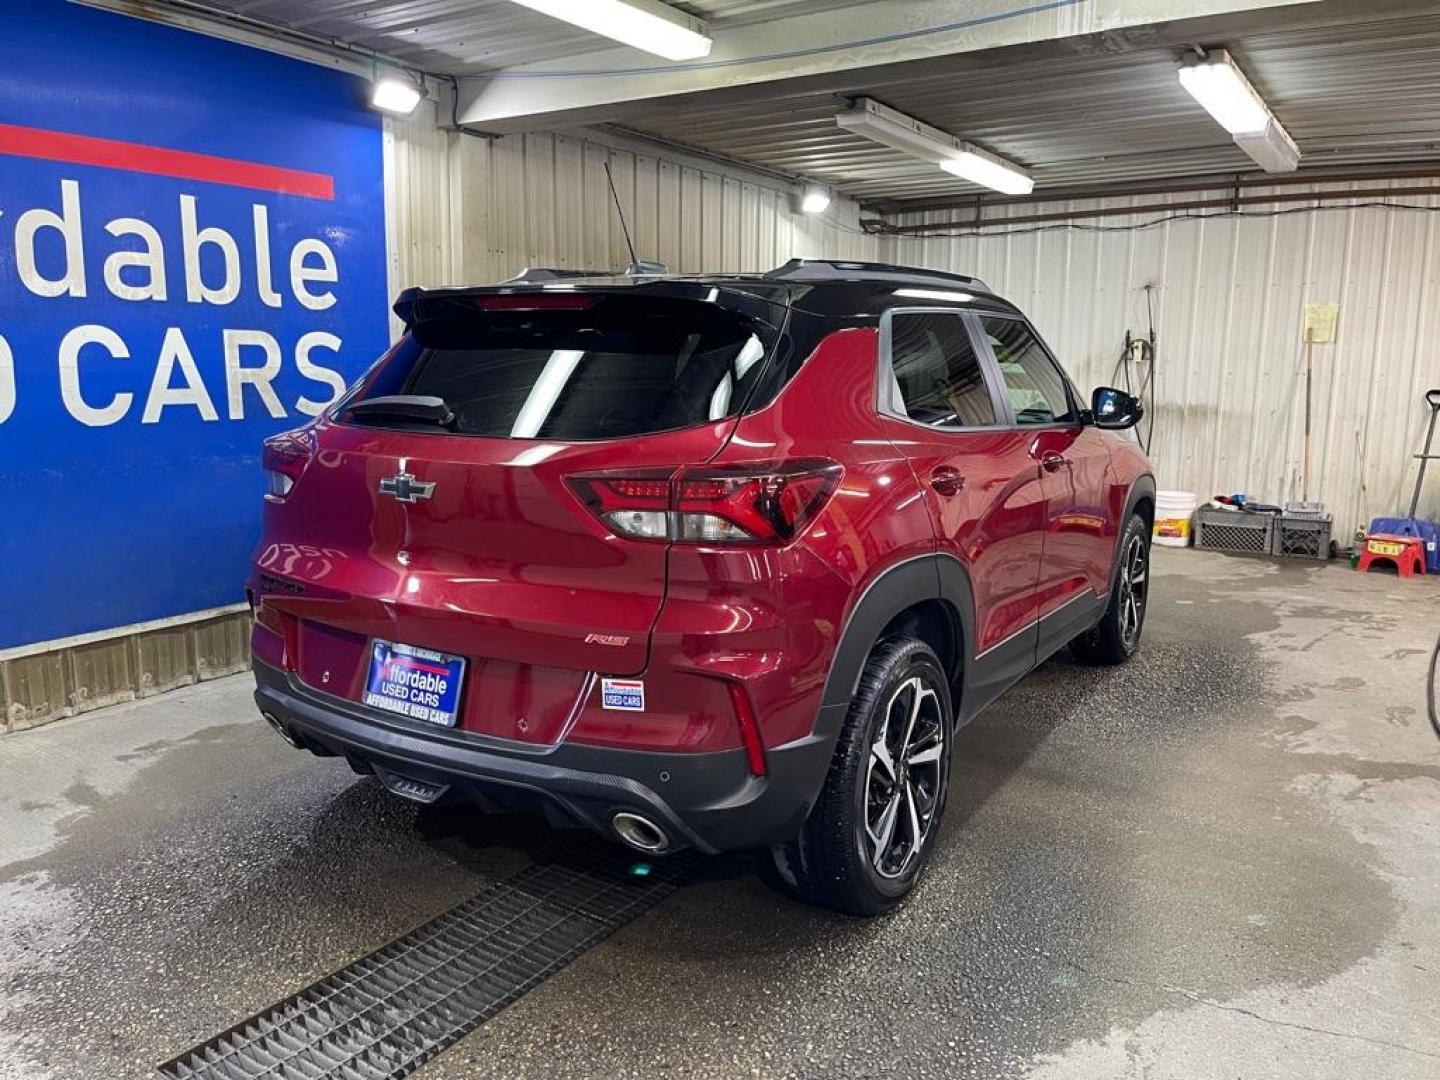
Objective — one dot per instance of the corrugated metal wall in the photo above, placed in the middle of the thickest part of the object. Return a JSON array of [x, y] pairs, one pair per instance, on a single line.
[[1229, 302], [472, 210]]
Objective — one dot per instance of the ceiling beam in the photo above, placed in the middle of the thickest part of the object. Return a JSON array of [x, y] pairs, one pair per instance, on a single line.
[[600, 87]]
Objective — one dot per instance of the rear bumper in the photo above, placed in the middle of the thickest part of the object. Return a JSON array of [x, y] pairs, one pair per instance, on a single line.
[[708, 801]]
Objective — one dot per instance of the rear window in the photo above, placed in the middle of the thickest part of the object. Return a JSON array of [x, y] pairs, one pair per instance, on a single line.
[[621, 366]]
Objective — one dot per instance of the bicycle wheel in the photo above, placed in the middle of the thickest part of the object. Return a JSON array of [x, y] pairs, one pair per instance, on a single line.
[[1432, 689]]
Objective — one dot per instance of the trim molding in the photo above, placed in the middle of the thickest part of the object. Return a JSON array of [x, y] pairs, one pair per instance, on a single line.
[[1033, 623], [19, 652]]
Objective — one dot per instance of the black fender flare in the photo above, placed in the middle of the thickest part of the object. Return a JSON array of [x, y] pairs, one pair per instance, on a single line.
[[932, 576], [1142, 487]]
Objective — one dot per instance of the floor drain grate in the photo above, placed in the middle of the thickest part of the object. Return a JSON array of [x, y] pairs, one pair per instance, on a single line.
[[390, 1012]]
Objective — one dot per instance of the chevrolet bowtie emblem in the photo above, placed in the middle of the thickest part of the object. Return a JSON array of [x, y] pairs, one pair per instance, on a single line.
[[406, 489]]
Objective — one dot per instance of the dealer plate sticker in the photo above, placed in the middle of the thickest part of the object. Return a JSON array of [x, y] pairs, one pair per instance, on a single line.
[[627, 695], [417, 683]]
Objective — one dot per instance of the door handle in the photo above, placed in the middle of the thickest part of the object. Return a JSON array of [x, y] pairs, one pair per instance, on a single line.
[[1050, 461], [946, 480]]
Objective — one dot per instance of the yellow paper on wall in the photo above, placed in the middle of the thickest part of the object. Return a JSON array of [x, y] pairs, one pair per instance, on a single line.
[[1320, 320]]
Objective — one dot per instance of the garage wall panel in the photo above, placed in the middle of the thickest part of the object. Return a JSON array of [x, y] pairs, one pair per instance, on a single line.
[[1229, 297], [470, 210]]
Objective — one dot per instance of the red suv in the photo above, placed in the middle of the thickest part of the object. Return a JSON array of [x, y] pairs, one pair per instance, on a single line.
[[717, 562]]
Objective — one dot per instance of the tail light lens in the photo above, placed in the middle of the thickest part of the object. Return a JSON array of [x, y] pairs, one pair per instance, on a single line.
[[753, 503], [284, 458]]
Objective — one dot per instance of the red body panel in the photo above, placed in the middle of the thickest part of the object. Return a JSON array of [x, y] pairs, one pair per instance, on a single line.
[[995, 522], [773, 617], [502, 566]]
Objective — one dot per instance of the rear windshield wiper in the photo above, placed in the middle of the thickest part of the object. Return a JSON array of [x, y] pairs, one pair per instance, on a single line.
[[411, 408]]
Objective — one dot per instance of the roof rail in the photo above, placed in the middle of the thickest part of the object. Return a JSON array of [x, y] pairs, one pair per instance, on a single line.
[[839, 270], [550, 273]]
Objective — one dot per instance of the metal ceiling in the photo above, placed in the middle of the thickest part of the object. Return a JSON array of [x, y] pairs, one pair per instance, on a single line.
[[468, 37], [1356, 82], [1352, 94]]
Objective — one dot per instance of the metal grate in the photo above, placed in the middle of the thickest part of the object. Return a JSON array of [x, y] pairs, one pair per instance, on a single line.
[[390, 1012]]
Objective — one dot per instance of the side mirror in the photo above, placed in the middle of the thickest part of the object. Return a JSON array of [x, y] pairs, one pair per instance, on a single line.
[[1115, 409]]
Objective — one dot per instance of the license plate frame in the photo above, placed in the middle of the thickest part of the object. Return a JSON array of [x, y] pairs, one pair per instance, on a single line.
[[414, 683]]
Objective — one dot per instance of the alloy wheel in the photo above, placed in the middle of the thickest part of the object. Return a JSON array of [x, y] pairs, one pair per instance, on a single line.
[[1134, 586], [903, 777]]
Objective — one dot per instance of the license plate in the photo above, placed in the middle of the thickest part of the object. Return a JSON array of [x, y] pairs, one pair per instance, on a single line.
[[418, 683], [1383, 547]]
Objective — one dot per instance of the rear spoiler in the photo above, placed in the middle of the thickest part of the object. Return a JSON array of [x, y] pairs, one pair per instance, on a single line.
[[416, 304], [532, 275]]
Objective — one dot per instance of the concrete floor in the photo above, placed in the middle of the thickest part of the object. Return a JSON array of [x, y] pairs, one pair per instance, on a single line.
[[1218, 861]]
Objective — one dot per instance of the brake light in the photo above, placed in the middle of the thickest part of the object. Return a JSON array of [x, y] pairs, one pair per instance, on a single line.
[[753, 503], [284, 458], [534, 301]]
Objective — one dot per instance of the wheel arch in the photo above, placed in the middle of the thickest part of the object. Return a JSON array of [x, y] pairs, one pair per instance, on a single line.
[[929, 595], [1140, 499]]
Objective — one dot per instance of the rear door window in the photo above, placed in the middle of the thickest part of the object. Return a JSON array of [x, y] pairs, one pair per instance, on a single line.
[[1033, 382], [612, 368], [938, 379]]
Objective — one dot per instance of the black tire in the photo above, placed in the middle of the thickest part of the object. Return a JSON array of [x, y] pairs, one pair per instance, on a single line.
[[1116, 637], [838, 860]]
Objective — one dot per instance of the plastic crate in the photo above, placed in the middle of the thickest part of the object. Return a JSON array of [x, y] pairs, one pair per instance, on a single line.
[[1301, 536], [1233, 530]]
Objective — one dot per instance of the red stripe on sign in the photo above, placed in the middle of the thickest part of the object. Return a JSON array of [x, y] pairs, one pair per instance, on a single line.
[[31, 142], [415, 665]]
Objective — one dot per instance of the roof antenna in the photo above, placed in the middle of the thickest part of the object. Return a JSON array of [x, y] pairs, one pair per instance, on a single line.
[[636, 268], [620, 213]]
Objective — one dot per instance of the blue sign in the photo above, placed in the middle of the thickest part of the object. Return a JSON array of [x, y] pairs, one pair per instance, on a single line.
[[192, 257]]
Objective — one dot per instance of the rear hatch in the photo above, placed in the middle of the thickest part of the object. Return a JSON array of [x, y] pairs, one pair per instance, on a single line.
[[436, 506]]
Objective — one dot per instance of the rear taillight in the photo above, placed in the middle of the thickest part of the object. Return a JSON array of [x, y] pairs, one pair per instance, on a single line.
[[284, 458], [759, 503]]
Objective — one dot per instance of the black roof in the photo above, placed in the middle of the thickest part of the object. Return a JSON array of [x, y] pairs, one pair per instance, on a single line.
[[828, 287], [838, 270]]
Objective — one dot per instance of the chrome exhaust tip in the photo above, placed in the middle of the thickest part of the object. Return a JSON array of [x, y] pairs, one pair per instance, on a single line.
[[640, 832], [282, 730]]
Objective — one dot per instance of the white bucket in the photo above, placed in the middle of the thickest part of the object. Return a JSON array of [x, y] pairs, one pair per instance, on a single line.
[[1173, 513]]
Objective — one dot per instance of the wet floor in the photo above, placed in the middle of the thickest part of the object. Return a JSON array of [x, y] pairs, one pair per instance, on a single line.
[[1217, 861]]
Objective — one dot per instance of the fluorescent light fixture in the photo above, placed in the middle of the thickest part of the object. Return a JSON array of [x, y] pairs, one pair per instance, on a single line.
[[644, 24], [1222, 89], [395, 94], [890, 127], [989, 170], [1273, 149], [816, 199], [935, 294]]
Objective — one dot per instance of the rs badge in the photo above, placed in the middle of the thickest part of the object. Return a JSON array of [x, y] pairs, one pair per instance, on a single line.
[[628, 695]]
